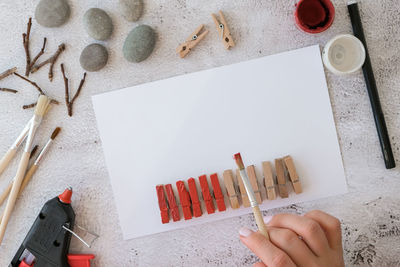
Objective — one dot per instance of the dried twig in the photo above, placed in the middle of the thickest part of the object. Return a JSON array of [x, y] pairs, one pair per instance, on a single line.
[[52, 60], [8, 73], [68, 102], [25, 40], [31, 82], [52, 101], [29, 106], [41, 52], [8, 90]]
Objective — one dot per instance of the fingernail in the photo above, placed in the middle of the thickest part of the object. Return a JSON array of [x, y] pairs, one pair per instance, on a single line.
[[245, 232], [267, 219]]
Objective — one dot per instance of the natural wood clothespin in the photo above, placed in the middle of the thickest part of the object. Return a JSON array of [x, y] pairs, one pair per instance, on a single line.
[[243, 193], [294, 177], [269, 180], [251, 172], [281, 178], [230, 189], [223, 30], [191, 41]]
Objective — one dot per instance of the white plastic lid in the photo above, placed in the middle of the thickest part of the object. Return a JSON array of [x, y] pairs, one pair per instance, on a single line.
[[343, 54]]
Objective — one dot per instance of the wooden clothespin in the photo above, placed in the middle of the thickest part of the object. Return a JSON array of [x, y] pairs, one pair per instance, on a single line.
[[191, 41], [269, 180], [162, 203], [293, 176], [230, 189], [194, 197], [172, 203], [219, 197], [281, 178], [205, 190], [185, 200], [223, 30], [251, 172], [242, 189]]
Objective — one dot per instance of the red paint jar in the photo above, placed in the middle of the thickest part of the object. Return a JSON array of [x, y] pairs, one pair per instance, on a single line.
[[314, 16]]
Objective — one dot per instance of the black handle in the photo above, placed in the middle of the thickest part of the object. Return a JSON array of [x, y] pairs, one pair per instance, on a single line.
[[372, 90]]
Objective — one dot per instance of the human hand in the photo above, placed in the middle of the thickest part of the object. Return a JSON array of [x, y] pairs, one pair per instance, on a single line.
[[314, 239]]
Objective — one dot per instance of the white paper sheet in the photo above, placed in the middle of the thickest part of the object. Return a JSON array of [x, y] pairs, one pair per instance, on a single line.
[[186, 126]]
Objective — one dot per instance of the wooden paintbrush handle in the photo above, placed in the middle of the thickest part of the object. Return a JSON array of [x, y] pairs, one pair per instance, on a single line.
[[14, 193], [5, 193], [27, 178], [260, 222], [7, 158]]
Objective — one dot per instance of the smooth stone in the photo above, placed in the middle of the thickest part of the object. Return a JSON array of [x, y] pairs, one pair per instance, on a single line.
[[132, 10], [98, 24], [139, 43], [93, 57], [52, 13]]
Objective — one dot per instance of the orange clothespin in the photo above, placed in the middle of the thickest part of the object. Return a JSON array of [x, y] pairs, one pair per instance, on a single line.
[[205, 190], [185, 200], [194, 198], [218, 195], [162, 203], [191, 41], [223, 30], [172, 203]]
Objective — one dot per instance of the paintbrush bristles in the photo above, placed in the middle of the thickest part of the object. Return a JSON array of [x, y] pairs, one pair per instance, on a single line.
[[239, 161], [41, 106], [55, 133]]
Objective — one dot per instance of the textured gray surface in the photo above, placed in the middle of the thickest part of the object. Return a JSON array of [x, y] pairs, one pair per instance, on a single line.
[[369, 212]]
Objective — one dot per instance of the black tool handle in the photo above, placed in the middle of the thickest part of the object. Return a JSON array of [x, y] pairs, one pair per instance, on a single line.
[[372, 90]]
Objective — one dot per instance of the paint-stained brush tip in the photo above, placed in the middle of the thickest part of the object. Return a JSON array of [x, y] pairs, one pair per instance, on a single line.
[[239, 162], [33, 151], [55, 133]]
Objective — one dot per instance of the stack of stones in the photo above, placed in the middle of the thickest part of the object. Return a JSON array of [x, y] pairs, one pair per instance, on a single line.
[[138, 45]]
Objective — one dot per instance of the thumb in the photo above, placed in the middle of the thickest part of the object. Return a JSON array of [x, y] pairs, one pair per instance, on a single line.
[[264, 249]]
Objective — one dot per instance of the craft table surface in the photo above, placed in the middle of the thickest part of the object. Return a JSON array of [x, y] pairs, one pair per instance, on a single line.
[[369, 212]]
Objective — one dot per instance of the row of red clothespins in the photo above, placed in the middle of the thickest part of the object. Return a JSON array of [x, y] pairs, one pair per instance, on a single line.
[[190, 201]]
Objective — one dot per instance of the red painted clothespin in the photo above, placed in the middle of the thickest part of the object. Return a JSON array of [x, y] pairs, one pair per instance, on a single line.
[[206, 194], [219, 197], [162, 203], [172, 203], [194, 197], [185, 200]]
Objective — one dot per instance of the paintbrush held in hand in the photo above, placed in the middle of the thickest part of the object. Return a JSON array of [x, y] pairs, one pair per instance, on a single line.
[[250, 193], [41, 107]]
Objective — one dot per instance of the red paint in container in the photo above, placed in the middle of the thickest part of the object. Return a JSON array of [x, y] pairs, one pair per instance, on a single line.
[[314, 16]]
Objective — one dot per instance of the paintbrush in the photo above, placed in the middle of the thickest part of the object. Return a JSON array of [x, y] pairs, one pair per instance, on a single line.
[[33, 167], [5, 160], [5, 193], [250, 193], [40, 110], [31, 170]]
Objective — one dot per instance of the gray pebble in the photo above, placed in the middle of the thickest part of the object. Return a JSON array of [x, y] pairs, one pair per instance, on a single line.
[[93, 57], [132, 10], [98, 24], [52, 13], [139, 44]]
